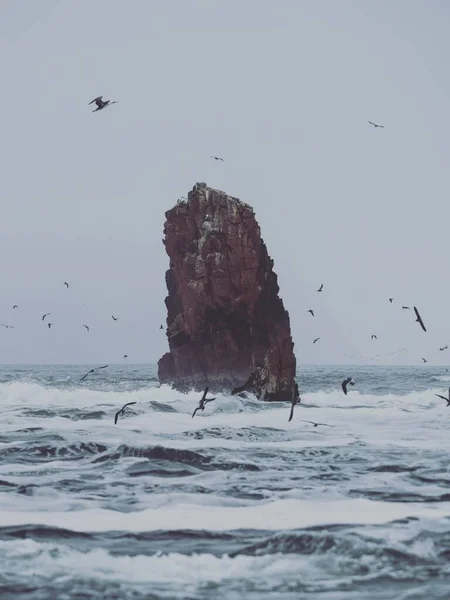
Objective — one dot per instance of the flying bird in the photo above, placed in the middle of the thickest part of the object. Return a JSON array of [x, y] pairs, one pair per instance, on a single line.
[[376, 125], [316, 340], [44, 316], [321, 288], [203, 402], [391, 300], [161, 327], [125, 355], [315, 424], [444, 398], [86, 327], [7, 326], [310, 311], [295, 400], [216, 158], [49, 325], [92, 370], [443, 348], [345, 383], [66, 284], [405, 308], [15, 306], [121, 411], [424, 360], [419, 319], [114, 318], [102, 103], [373, 337]]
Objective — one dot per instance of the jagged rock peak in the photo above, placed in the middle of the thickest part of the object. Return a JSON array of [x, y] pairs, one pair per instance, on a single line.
[[227, 327]]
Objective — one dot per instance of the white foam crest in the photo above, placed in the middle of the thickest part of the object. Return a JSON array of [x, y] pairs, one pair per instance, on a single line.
[[169, 569], [279, 514]]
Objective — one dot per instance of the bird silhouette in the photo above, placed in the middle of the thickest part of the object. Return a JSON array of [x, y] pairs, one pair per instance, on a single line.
[[295, 400], [15, 306], [66, 284], [161, 327], [216, 158], [424, 360], [376, 125], [7, 326], [373, 337], [310, 311], [345, 383], [316, 340], [405, 308], [121, 411], [203, 402], [315, 424], [92, 371], [321, 288], [391, 300], [49, 325], [101, 103], [44, 316], [444, 398], [419, 319], [125, 355], [86, 327], [114, 318], [443, 348]]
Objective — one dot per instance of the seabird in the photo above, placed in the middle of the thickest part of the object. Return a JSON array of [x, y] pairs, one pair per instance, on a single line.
[[7, 326], [295, 400], [316, 340], [391, 300], [444, 398], [46, 315], [310, 311], [321, 287], [86, 327], [424, 360], [66, 284], [419, 319], [376, 125], [15, 306], [161, 327], [203, 402], [114, 318], [444, 348], [125, 355], [405, 308], [216, 158], [373, 337], [49, 325], [314, 423], [102, 103], [120, 412], [345, 383], [92, 370]]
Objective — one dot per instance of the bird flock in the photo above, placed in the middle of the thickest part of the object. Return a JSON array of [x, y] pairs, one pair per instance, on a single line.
[[102, 104]]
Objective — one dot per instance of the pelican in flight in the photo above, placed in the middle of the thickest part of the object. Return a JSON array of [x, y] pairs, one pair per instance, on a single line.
[[102, 103]]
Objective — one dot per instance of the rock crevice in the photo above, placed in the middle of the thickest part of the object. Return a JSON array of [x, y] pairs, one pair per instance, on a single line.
[[226, 326]]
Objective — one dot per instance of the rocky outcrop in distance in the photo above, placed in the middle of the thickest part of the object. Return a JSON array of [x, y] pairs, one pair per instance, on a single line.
[[226, 325]]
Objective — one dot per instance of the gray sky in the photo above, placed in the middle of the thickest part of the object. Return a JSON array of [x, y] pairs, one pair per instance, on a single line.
[[283, 91]]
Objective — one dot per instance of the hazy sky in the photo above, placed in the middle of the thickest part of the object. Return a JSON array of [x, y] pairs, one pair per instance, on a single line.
[[283, 91]]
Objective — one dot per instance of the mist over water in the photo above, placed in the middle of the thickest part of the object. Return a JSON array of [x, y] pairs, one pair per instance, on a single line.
[[235, 503]]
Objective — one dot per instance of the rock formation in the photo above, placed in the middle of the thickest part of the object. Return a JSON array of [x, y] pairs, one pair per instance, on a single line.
[[227, 327]]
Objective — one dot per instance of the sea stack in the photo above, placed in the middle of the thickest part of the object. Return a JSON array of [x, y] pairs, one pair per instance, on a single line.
[[226, 326]]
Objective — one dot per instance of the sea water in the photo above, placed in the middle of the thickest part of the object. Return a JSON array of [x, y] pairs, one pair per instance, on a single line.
[[234, 504]]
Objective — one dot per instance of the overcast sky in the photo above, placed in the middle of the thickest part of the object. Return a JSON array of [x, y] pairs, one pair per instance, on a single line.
[[283, 91]]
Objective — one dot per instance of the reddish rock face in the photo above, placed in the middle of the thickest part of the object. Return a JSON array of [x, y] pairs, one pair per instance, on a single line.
[[227, 327]]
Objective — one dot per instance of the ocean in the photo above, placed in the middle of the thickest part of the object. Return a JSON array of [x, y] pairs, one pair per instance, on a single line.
[[234, 504]]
